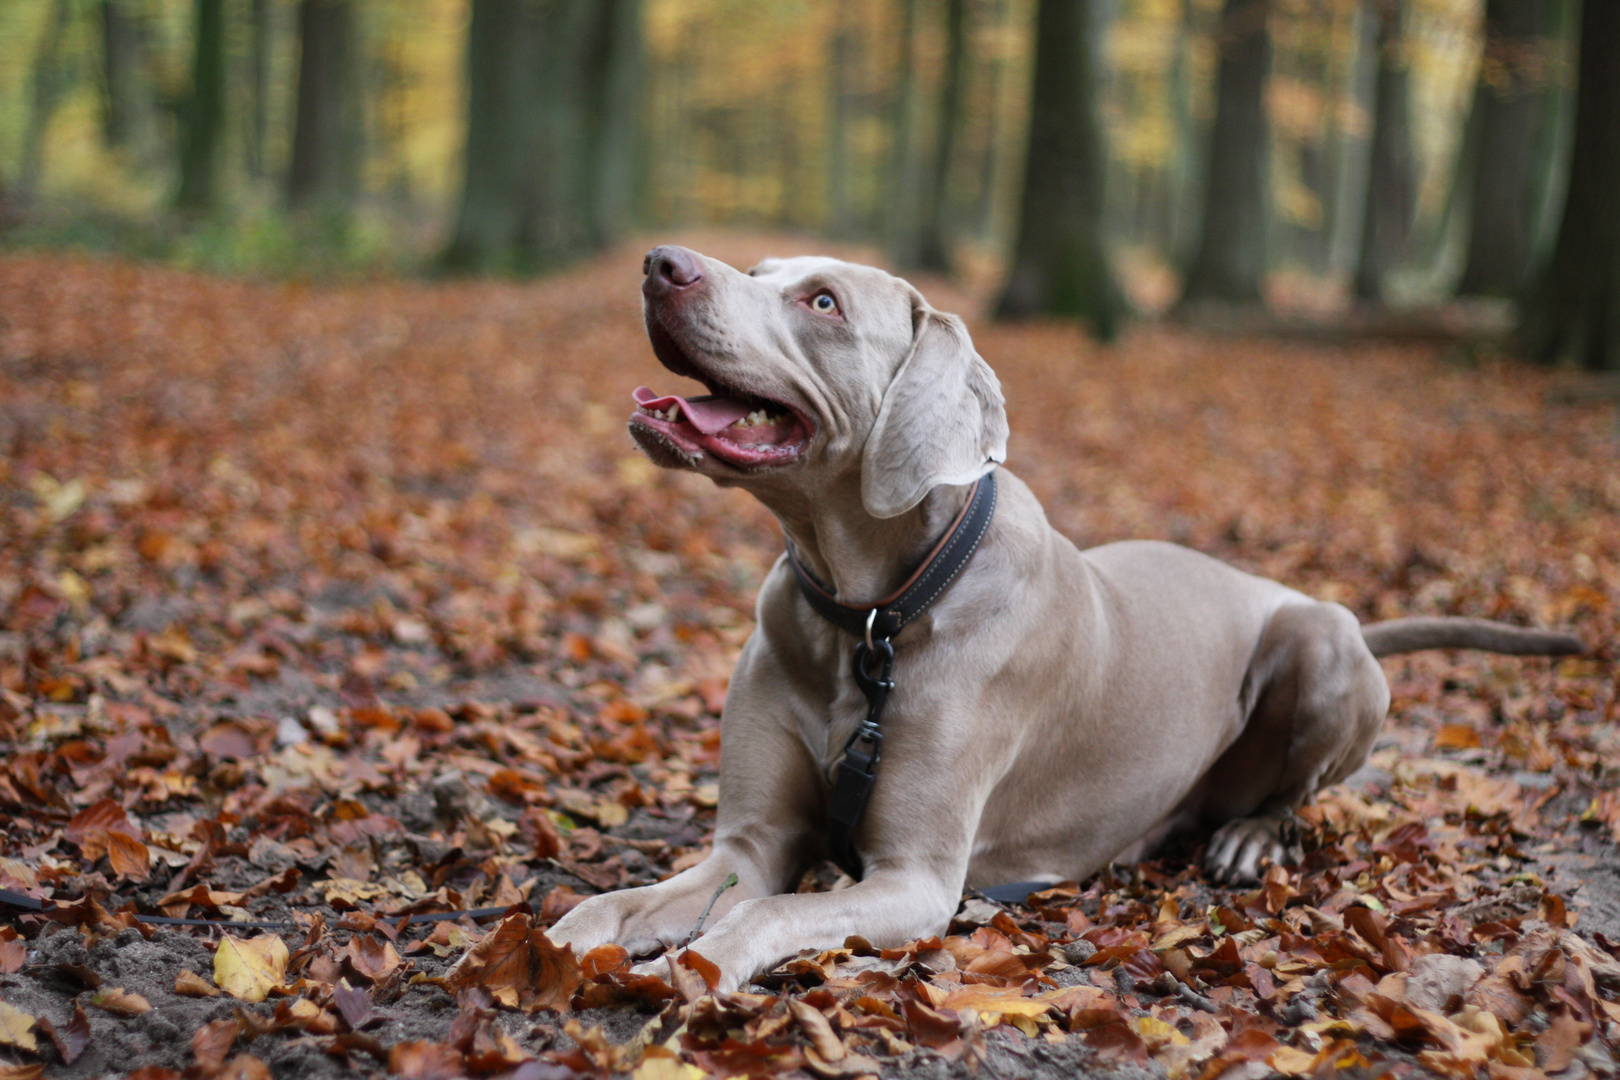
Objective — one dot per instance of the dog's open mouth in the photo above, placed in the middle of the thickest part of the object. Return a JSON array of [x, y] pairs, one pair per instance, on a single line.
[[738, 428]]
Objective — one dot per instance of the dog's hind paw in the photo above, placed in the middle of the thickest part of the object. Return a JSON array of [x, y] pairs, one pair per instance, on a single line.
[[1240, 849]]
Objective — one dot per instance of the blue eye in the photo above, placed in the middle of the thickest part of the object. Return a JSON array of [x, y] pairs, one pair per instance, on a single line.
[[824, 303]]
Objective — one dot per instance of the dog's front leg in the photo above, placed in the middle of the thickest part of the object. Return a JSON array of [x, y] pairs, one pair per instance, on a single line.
[[889, 907], [763, 833]]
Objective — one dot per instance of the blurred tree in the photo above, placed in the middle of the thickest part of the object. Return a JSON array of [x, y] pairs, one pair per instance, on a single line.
[[126, 99], [261, 32], [1574, 314], [327, 129], [552, 104], [48, 84], [1392, 178], [1060, 265], [610, 178], [204, 115], [1510, 138], [921, 241], [908, 179], [1231, 256], [840, 88]]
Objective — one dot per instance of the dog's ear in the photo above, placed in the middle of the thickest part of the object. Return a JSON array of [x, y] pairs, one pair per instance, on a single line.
[[942, 420]]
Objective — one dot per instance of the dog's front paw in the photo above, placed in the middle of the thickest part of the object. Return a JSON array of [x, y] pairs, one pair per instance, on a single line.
[[593, 922], [631, 919], [1241, 848]]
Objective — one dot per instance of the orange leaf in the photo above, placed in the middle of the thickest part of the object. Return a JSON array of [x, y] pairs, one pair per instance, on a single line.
[[129, 857], [212, 1042], [1457, 737]]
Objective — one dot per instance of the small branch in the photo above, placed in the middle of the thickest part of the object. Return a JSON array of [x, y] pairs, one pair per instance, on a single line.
[[731, 879]]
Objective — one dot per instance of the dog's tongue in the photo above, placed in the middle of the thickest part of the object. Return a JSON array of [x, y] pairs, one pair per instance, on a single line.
[[707, 414]]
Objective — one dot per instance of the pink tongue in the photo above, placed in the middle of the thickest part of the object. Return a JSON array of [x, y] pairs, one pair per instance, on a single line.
[[707, 414]]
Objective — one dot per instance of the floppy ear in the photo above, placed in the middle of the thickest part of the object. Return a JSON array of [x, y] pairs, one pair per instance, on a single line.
[[942, 420]]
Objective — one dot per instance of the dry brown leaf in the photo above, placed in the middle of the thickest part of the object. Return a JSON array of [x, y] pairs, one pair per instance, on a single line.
[[212, 1042], [422, 1060], [828, 1047], [71, 1039], [188, 983], [120, 1002]]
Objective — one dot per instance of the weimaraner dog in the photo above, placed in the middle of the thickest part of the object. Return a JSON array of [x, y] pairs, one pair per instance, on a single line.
[[1052, 710]]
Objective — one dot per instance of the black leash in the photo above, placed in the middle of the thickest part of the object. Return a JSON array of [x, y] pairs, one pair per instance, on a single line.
[[874, 659]]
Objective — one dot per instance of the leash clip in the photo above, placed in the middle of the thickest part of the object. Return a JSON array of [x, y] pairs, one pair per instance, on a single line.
[[875, 687]]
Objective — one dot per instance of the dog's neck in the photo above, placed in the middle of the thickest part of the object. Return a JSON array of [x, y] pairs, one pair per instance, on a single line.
[[864, 559]]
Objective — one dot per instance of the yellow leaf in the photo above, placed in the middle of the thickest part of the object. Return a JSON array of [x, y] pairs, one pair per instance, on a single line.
[[1157, 1033], [1291, 1062], [993, 1002], [17, 1028], [666, 1068], [250, 968]]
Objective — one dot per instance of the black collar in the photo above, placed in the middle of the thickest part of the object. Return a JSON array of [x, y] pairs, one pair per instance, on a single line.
[[888, 616]]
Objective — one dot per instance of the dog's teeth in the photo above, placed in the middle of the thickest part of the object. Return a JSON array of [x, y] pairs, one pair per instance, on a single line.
[[674, 411]]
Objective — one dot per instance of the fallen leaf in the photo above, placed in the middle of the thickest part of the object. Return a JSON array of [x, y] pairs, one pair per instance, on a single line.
[[189, 984], [425, 1061], [371, 959], [250, 968], [1555, 1047], [70, 1039], [120, 1002], [17, 1028], [212, 1042], [815, 1026], [519, 966]]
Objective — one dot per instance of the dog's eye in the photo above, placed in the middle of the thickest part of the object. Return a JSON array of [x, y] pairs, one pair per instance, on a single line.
[[824, 304]]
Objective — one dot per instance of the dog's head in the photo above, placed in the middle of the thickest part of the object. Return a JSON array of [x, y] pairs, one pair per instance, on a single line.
[[817, 370]]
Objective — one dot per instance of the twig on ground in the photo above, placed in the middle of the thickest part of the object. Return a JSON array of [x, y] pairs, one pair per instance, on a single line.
[[731, 879]]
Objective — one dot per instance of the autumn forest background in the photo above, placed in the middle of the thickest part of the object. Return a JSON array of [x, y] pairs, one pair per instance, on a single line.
[[346, 641]]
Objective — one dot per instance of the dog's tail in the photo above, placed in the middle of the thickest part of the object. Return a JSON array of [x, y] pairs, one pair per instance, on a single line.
[[1427, 632]]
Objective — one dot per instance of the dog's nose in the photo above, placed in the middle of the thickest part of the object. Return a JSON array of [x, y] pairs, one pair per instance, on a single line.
[[669, 268]]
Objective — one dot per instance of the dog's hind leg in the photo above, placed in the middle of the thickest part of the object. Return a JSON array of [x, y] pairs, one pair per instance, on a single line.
[[1318, 700]]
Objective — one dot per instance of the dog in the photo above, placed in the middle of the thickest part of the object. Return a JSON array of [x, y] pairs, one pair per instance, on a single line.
[[1052, 710]]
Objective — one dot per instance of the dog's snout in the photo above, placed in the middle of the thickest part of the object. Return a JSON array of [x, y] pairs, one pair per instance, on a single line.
[[670, 268]]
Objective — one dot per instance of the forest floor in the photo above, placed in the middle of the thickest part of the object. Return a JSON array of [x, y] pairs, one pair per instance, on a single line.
[[324, 606]]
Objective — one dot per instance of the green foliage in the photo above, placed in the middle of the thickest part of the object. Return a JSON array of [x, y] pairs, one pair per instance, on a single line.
[[263, 242]]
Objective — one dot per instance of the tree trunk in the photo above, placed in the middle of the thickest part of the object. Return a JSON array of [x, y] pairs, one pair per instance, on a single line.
[[1231, 256], [127, 106], [48, 80], [840, 101], [262, 29], [909, 182], [326, 128], [1511, 107], [929, 247], [552, 111], [1059, 263], [205, 109], [1574, 316], [611, 181], [1386, 224]]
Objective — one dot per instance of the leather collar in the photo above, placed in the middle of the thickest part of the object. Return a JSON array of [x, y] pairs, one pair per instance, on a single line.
[[888, 616]]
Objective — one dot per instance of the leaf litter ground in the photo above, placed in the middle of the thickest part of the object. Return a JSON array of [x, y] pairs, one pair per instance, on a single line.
[[324, 607]]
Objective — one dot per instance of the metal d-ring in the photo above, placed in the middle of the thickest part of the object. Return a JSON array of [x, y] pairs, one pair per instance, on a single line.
[[871, 618]]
